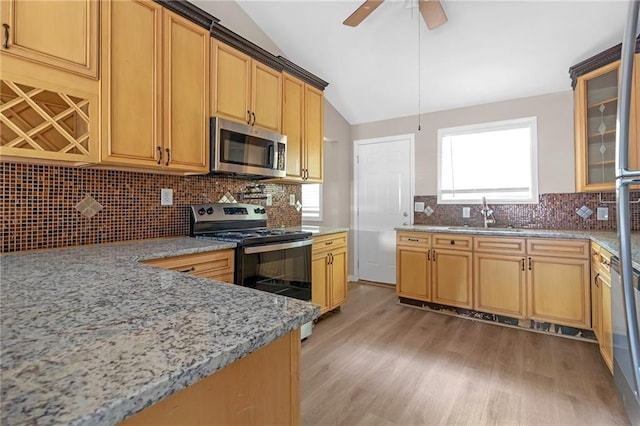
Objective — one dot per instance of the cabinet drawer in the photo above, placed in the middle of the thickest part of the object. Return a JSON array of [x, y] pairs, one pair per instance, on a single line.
[[330, 241], [452, 241], [201, 264], [415, 239], [514, 246], [559, 248]]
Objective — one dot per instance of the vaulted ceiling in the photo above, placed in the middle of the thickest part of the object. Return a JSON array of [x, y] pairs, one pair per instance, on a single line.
[[391, 65]]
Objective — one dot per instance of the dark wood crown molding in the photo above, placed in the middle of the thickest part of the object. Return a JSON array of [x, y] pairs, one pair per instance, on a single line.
[[303, 74], [597, 61], [190, 12], [218, 31], [245, 46]]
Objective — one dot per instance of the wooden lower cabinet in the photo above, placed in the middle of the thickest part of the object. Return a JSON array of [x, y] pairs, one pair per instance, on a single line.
[[242, 393], [601, 302], [413, 273], [329, 271], [500, 283], [495, 275], [217, 265], [452, 278], [558, 291]]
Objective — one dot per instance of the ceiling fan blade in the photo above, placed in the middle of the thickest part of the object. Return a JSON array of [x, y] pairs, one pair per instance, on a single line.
[[432, 13], [362, 12]]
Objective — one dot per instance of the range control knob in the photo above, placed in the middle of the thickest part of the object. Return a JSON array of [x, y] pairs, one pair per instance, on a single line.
[[256, 210], [210, 210], [263, 211], [201, 211]]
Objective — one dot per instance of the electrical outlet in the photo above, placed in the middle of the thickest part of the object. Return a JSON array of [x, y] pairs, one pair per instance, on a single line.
[[269, 200], [418, 206], [166, 197], [466, 212], [292, 199], [602, 213]]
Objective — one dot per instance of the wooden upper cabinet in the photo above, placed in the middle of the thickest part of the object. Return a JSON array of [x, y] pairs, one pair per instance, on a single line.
[[293, 124], [131, 82], [186, 94], [314, 133], [266, 91], [231, 78], [59, 34], [596, 97], [303, 123], [244, 89], [155, 88]]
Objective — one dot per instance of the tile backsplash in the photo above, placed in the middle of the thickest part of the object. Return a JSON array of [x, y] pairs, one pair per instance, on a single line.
[[39, 204], [554, 211]]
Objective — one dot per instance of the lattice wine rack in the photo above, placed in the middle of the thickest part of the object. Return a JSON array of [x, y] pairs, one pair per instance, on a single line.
[[43, 123]]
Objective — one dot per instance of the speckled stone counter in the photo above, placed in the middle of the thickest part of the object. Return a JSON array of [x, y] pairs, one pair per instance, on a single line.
[[91, 336], [607, 240], [318, 231]]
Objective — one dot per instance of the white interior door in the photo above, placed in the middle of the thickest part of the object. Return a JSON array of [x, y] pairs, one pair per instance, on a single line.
[[384, 189]]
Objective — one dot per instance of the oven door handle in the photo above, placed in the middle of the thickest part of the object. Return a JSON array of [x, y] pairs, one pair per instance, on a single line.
[[275, 247]]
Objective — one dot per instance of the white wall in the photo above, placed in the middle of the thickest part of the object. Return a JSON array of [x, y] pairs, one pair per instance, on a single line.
[[556, 169]]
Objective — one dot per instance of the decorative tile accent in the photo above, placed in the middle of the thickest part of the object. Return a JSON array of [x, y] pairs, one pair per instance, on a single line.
[[227, 198], [38, 204], [553, 211], [584, 212], [428, 211], [88, 206]]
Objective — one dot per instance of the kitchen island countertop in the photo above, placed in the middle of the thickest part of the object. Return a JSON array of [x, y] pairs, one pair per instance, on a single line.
[[91, 336]]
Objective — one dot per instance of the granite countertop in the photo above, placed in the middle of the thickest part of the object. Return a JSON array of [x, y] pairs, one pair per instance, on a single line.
[[91, 336], [318, 231], [607, 240]]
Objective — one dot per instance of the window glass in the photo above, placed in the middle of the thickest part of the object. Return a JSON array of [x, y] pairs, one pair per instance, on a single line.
[[312, 201], [494, 160]]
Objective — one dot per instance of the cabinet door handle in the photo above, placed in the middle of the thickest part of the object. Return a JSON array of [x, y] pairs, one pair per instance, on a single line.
[[414, 239], [529, 263], [428, 255], [193, 268], [434, 255], [6, 36], [328, 243], [168, 157], [159, 155], [523, 263], [596, 279], [453, 242], [253, 114], [248, 117]]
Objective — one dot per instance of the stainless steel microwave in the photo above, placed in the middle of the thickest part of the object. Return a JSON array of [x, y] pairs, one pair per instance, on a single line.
[[241, 149]]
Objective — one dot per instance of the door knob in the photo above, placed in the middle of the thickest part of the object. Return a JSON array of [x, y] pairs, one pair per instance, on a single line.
[[405, 214], [405, 223]]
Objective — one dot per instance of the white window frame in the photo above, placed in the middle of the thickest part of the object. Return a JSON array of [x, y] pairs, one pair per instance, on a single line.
[[314, 217], [530, 122]]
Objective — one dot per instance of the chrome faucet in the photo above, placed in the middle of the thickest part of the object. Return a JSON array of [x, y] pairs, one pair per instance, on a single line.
[[487, 213]]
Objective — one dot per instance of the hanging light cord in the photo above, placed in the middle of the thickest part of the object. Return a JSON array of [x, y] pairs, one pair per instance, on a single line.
[[419, 78]]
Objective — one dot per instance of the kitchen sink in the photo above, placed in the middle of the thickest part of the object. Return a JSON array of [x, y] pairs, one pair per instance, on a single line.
[[480, 228]]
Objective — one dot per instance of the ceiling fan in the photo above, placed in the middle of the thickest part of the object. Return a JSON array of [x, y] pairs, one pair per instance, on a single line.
[[431, 11]]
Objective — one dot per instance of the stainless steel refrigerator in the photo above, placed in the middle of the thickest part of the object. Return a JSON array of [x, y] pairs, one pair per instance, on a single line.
[[625, 297]]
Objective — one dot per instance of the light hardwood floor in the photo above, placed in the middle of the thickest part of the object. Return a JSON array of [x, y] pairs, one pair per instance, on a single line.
[[379, 363]]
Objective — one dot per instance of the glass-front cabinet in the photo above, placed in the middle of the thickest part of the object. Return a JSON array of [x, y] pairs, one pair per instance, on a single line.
[[596, 101]]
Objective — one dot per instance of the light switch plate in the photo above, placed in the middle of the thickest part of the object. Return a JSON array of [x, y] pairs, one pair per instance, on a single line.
[[269, 200], [466, 212], [602, 213], [418, 206], [166, 197], [292, 199]]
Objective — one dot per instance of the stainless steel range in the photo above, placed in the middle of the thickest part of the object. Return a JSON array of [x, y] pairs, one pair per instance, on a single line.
[[272, 260]]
